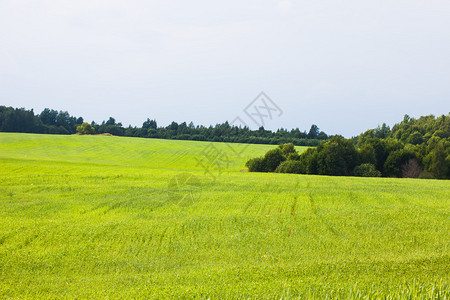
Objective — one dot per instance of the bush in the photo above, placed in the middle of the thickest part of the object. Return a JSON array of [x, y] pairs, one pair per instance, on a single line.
[[338, 157], [85, 128], [272, 159], [366, 170], [293, 156], [256, 165], [287, 149], [309, 160], [411, 169], [426, 175], [290, 166]]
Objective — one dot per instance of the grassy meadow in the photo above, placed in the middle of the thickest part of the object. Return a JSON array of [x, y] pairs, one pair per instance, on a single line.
[[112, 217]]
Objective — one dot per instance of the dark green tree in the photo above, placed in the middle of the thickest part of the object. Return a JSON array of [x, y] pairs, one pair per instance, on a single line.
[[256, 165], [313, 132], [272, 159], [415, 138], [437, 161], [149, 124], [111, 121], [395, 161], [338, 157]]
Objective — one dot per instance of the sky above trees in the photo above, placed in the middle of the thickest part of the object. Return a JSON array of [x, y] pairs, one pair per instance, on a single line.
[[343, 65]]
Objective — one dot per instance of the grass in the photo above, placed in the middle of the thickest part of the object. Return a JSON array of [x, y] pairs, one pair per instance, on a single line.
[[108, 217]]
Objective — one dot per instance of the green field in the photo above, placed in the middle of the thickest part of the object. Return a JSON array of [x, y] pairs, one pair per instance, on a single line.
[[110, 217]]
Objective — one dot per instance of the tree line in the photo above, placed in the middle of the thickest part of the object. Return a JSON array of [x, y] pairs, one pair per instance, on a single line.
[[414, 148], [50, 121]]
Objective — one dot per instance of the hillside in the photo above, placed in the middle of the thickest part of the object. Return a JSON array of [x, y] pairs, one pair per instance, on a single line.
[[116, 217]]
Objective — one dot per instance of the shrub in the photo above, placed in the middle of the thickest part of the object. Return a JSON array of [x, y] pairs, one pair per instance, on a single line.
[[426, 175], [366, 170], [272, 159], [85, 128], [290, 166], [256, 165], [411, 169], [293, 156], [287, 149], [309, 160]]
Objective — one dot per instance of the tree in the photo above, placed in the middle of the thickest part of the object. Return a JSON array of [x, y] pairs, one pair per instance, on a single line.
[[48, 116], [309, 160], [313, 132], [406, 119], [337, 157], [383, 131], [272, 159], [173, 126], [111, 121], [85, 128], [395, 161], [287, 149], [322, 136], [416, 138], [149, 124], [367, 154], [19, 120], [256, 165], [437, 161]]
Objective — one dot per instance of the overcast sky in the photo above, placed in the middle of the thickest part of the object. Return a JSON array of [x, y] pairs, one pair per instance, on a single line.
[[344, 65]]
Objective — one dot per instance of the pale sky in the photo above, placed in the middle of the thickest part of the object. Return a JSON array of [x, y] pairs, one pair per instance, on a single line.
[[346, 66]]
